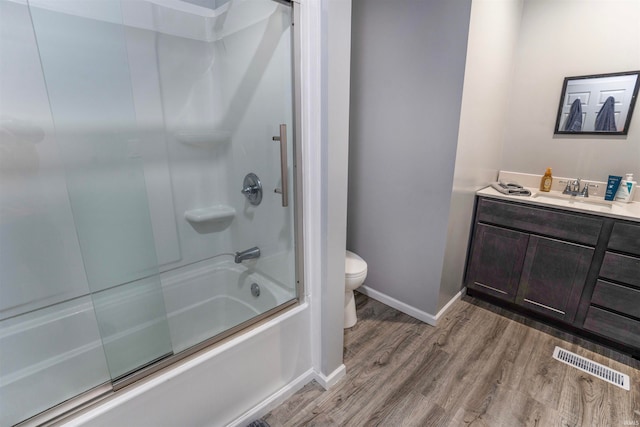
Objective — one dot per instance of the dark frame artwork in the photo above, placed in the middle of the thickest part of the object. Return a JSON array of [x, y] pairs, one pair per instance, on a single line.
[[602, 100]]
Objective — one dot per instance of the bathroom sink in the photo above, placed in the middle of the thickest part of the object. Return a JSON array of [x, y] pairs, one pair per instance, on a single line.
[[556, 195]]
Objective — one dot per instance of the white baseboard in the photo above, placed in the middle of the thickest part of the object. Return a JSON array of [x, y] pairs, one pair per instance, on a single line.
[[328, 381], [406, 308], [455, 298]]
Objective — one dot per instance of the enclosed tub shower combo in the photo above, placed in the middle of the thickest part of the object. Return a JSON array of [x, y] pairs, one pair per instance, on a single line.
[[148, 196]]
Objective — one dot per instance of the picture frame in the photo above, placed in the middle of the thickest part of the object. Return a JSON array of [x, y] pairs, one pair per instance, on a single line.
[[599, 104]]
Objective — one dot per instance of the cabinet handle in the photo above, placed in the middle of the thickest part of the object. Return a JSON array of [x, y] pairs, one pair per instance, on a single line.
[[544, 306]]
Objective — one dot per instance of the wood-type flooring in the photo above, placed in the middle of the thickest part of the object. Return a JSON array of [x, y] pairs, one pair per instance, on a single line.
[[481, 366]]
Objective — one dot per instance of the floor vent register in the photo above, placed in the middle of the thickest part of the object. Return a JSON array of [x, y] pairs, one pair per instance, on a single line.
[[593, 368]]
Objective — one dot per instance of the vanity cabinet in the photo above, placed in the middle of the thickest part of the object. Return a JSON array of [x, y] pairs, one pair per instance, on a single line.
[[553, 277], [614, 311], [533, 257], [577, 270], [496, 261]]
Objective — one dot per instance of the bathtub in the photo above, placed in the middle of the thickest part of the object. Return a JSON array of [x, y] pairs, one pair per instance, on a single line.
[[230, 384], [213, 387], [208, 298]]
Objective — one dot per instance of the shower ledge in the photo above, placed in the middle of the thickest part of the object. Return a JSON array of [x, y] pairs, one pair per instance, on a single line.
[[210, 214]]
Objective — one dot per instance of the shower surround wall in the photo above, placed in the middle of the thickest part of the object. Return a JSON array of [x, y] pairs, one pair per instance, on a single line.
[[60, 211], [209, 129]]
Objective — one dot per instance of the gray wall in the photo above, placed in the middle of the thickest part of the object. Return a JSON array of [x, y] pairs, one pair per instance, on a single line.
[[407, 69]]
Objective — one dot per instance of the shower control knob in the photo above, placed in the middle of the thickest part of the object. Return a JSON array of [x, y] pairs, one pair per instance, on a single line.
[[252, 189]]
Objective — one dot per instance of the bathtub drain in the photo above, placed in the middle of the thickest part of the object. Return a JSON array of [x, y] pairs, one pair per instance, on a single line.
[[255, 290]]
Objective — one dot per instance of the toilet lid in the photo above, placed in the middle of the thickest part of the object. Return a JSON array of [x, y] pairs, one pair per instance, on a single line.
[[354, 264]]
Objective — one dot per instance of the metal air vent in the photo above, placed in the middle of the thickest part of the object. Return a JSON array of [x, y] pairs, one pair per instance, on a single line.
[[591, 367]]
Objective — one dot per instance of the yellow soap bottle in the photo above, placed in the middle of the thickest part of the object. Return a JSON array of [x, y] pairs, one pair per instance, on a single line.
[[545, 182]]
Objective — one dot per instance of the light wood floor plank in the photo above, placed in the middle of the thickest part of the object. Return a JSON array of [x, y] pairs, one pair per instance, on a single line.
[[505, 407], [300, 401], [367, 373], [481, 366], [410, 409], [543, 376], [402, 397], [471, 356]]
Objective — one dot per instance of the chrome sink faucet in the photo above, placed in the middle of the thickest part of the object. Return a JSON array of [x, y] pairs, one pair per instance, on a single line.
[[248, 254], [576, 185], [573, 188]]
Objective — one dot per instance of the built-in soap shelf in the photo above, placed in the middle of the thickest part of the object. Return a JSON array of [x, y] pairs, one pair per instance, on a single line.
[[210, 214]]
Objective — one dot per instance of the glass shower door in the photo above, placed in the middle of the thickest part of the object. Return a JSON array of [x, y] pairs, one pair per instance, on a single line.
[[83, 52], [160, 119], [129, 234], [225, 94]]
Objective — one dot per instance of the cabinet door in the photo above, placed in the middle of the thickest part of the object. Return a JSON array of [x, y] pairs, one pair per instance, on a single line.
[[496, 261], [553, 277]]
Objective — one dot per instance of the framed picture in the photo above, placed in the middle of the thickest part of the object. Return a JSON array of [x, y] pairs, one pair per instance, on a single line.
[[599, 104]]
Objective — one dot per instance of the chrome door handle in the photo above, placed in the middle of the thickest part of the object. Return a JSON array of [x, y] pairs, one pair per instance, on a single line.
[[284, 190]]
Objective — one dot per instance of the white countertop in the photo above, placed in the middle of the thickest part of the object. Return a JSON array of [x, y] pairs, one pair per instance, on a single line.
[[555, 199]]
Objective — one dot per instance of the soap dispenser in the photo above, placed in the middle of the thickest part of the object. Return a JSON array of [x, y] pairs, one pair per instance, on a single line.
[[545, 182], [627, 189]]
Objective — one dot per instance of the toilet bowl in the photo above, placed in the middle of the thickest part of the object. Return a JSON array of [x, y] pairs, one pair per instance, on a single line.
[[354, 275]]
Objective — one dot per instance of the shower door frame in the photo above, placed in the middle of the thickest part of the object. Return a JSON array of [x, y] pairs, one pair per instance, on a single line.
[[107, 390]]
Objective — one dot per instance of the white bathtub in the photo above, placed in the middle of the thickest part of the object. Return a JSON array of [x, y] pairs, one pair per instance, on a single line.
[[206, 299], [202, 300], [231, 384]]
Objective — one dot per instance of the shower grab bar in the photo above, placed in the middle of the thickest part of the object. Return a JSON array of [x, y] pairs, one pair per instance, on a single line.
[[284, 190]]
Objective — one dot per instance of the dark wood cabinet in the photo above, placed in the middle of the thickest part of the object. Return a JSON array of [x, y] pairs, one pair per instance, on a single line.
[[625, 237], [621, 268], [496, 261], [571, 227], [619, 298], [579, 270], [553, 277], [614, 310], [613, 326], [533, 257]]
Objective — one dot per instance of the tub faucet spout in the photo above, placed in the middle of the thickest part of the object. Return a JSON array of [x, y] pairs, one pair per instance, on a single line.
[[248, 254]]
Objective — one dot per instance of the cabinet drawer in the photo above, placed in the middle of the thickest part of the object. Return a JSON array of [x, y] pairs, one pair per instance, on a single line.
[[621, 268], [625, 237], [566, 226], [614, 326], [615, 297]]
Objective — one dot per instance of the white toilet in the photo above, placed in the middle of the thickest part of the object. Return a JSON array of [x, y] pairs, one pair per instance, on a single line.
[[354, 275]]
